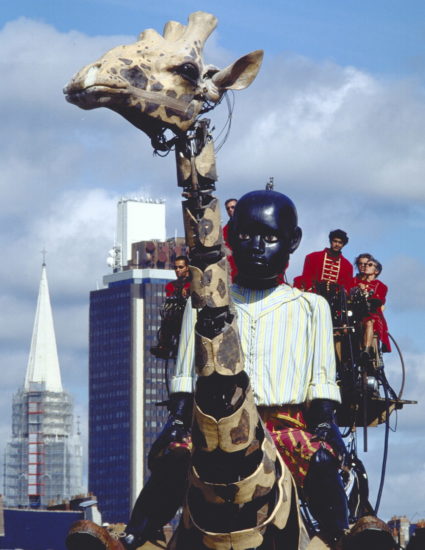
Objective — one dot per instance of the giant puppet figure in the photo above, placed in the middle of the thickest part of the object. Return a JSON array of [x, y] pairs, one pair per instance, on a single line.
[[240, 492], [240, 495]]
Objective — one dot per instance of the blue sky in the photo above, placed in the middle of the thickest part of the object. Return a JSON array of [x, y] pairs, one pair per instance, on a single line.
[[386, 36], [336, 115]]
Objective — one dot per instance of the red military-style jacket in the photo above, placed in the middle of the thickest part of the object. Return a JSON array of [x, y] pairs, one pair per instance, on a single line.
[[229, 256], [226, 234], [323, 266], [178, 287]]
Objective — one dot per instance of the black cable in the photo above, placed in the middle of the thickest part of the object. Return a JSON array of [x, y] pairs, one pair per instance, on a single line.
[[403, 369], [228, 124], [385, 455]]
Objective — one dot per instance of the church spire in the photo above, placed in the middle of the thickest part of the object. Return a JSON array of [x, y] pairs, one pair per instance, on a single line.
[[43, 362]]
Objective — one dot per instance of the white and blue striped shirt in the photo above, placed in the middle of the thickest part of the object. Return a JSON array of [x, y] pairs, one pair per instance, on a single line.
[[287, 342]]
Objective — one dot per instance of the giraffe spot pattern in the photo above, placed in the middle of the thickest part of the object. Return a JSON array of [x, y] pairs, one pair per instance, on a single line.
[[173, 113], [240, 433], [228, 351], [157, 87], [221, 288], [135, 76], [260, 491], [206, 227]]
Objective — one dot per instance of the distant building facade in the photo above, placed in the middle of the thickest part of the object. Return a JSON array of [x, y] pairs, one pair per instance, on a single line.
[[44, 458], [407, 534], [40, 529], [125, 380]]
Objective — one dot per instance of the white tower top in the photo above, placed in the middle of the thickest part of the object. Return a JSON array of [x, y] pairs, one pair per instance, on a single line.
[[43, 362], [139, 220]]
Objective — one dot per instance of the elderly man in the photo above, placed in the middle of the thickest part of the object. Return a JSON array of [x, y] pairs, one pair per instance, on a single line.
[[361, 262], [374, 292]]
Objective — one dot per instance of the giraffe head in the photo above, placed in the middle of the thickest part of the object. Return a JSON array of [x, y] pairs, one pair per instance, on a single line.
[[159, 81]]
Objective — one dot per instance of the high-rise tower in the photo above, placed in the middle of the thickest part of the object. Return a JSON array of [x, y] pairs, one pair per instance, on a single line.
[[125, 380], [43, 459]]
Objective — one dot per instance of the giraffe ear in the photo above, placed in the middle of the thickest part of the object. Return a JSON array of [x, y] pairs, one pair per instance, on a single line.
[[239, 74]]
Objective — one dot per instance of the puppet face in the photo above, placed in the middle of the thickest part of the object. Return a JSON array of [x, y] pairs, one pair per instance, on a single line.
[[264, 233]]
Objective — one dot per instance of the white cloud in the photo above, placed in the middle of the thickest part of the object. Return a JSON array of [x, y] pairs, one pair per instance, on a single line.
[[331, 129]]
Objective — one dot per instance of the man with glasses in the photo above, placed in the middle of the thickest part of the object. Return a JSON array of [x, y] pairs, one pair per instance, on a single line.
[[180, 286], [361, 262], [374, 292]]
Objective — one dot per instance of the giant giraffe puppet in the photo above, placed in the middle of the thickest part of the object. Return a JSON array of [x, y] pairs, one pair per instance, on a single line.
[[240, 495]]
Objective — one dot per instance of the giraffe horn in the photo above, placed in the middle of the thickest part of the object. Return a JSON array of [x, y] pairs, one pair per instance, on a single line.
[[173, 31], [150, 35], [200, 26]]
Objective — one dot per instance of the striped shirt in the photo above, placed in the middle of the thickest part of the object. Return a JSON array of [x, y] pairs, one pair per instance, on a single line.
[[287, 342]]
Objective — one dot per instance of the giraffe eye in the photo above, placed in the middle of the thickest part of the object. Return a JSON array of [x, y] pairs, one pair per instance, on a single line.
[[188, 71]]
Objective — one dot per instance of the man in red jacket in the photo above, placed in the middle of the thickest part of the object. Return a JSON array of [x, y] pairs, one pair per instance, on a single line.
[[230, 208], [176, 292], [328, 265], [181, 285]]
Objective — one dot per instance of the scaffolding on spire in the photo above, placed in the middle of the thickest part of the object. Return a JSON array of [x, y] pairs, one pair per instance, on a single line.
[[43, 459]]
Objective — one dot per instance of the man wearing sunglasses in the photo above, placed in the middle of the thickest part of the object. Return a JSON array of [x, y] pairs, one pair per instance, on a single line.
[[176, 292], [375, 292], [361, 262], [180, 286]]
